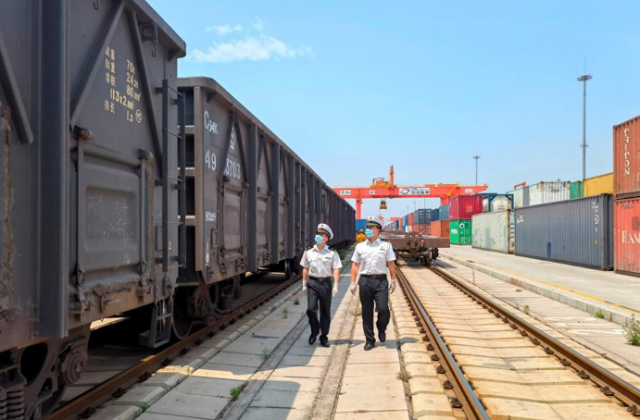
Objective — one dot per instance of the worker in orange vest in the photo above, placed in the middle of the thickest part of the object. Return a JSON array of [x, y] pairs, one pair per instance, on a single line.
[[360, 237]]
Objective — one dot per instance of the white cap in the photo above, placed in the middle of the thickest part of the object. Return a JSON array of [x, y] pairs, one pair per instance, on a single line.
[[324, 228], [373, 220]]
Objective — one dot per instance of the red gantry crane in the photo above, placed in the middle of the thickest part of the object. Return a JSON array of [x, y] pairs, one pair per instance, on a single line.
[[382, 189]]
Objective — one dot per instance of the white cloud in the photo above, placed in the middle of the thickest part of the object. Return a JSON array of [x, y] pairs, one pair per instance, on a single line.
[[223, 30], [250, 48], [255, 46]]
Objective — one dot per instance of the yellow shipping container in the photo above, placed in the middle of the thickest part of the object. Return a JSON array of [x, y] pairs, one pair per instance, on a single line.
[[597, 185]]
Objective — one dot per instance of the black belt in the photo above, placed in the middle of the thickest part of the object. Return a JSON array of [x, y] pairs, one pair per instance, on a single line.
[[320, 278], [375, 276]]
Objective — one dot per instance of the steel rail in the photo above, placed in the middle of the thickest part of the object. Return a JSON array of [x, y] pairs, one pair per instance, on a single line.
[[608, 383], [87, 403], [466, 398]]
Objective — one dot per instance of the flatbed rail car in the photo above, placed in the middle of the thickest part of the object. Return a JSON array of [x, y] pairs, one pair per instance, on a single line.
[[412, 244], [251, 201]]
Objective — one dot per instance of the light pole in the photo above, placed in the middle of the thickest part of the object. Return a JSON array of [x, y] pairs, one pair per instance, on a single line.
[[476, 157], [584, 79]]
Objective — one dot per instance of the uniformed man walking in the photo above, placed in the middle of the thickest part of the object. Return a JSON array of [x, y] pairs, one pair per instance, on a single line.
[[320, 263], [373, 259]]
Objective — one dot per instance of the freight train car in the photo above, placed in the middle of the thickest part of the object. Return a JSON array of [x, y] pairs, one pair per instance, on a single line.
[[111, 207], [252, 202], [89, 184]]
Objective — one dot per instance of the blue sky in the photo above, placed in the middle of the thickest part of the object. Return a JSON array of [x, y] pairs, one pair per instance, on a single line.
[[356, 86]]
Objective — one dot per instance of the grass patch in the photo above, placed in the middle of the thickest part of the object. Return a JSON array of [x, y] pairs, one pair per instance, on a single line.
[[342, 253], [526, 309], [599, 314], [285, 313], [632, 331], [296, 302], [273, 308], [236, 391], [266, 353], [403, 375], [518, 290]]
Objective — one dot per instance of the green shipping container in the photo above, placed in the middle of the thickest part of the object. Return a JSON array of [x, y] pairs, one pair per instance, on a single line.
[[460, 232], [576, 190]]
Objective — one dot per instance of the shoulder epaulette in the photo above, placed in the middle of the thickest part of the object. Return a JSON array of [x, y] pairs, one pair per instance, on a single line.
[[309, 247]]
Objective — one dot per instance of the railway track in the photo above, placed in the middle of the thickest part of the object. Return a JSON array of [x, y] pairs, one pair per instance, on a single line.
[[86, 404], [498, 364]]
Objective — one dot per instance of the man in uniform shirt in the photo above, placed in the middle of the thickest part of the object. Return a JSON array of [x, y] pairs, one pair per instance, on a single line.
[[319, 263], [373, 259]]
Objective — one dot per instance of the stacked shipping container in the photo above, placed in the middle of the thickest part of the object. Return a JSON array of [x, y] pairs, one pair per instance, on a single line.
[[626, 180]]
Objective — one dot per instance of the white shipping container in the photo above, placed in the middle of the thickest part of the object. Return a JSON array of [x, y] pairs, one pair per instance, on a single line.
[[549, 192], [494, 231], [518, 197]]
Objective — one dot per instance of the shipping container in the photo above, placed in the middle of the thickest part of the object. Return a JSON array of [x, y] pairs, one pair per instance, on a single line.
[[361, 224], [407, 228], [598, 185], [440, 228], [444, 212], [520, 199], [576, 231], [576, 190], [627, 236], [626, 159], [435, 214], [423, 229], [548, 192], [463, 207], [494, 231], [410, 219], [497, 202], [422, 216], [460, 232]]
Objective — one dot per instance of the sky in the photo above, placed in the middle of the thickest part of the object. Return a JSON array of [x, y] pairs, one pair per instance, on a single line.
[[356, 86]]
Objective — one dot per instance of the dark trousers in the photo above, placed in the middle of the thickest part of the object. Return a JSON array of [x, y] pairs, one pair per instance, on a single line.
[[374, 290], [319, 297]]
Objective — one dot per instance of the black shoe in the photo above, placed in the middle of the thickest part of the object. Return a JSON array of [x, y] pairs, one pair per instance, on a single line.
[[382, 336], [325, 343], [312, 338], [369, 346]]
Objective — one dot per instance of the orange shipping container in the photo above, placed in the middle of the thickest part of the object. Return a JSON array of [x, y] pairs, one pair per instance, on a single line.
[[422, 229], [626, 233], [626, 158], [440, 228]]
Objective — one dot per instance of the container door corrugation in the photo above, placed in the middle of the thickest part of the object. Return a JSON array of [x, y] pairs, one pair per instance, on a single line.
[[627, 236], [626, 159], [492, 231], [576, 231]]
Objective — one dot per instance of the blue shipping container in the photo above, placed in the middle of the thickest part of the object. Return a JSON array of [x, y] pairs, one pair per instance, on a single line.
[[422, 216], [435, 215], [444, 212], [360, 224]]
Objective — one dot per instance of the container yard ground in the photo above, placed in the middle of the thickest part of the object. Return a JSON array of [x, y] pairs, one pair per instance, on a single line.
[[563, 297]]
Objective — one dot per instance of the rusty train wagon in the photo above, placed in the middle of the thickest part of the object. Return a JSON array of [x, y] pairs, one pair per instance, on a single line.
[[252, 203], [89, 184]]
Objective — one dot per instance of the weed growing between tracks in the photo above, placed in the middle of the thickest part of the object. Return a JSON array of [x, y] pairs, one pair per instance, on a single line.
[[236, 391], [266, 353], [632, 331], [296, 302], [285, 313]]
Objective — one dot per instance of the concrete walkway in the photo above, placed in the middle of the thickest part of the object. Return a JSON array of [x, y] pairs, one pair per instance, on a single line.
[[585, 289]]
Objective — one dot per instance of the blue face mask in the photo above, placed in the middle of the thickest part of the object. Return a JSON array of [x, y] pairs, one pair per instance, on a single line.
[[368, 233], [318, 239]]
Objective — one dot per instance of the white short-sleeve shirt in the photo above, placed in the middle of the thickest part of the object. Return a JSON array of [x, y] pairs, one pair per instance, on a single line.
[[320, 262], [373, 257]]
